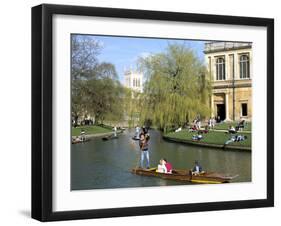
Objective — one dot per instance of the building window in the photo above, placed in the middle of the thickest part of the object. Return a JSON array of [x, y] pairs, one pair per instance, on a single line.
[[244, 66], [220, 68], [244, 109]]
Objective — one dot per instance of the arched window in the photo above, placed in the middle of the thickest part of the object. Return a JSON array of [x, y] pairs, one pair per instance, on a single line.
[[220, 68], [244, 66]]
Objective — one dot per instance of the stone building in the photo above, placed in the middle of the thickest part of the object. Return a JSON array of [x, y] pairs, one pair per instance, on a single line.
[[230, 65], [133, 80]]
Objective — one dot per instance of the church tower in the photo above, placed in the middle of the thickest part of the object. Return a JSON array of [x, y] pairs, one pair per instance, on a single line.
[[133, 80]]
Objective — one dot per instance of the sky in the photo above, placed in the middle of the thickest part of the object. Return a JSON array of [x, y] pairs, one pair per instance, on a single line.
[[123, 52]]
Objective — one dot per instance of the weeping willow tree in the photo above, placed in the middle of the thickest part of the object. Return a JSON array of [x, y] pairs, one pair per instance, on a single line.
[[177, 87], [131, 106]]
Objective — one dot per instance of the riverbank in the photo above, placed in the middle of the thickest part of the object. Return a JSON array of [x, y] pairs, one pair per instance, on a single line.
[[93, 131], [215, 139], [89, 130]]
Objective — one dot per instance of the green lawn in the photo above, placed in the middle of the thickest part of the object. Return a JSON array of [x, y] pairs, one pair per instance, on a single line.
[[90, 130], [212, 137], [225, 125]]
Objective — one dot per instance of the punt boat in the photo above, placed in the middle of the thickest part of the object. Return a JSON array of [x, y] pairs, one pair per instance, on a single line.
[[185, 176]]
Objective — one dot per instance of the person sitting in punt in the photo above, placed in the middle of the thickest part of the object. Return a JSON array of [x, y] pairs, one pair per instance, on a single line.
[[168, 166], [161, 167], [197, 169]]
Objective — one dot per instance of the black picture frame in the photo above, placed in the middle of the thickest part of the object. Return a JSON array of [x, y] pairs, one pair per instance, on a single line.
[[42, 111]]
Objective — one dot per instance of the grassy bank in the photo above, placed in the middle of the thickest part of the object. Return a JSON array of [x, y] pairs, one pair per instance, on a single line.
[[213, 137], [225, 126], [91, 130]]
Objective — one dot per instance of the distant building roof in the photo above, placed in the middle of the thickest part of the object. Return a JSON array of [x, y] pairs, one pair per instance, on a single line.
[[218, 46]]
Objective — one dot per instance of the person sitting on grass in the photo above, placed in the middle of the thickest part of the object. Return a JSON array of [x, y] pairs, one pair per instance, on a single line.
[[205, 130], [236, 138], [241, 125], [231, 130], [240, 138], [168, 166], [178, 130], [161, 167], [193, 128], [197, 137]]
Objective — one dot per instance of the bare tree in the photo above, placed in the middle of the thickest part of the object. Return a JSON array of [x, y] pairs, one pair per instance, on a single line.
[[85, 50]]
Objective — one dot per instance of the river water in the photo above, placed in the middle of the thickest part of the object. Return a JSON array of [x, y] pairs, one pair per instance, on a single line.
[[106, 164]]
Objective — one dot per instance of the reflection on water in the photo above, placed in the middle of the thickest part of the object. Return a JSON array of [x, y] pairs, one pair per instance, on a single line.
[[107, 164]]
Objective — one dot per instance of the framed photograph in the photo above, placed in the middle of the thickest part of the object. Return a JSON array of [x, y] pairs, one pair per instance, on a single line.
[[145, 112]]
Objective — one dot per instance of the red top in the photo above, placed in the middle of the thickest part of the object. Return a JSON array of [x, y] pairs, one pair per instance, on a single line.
[[168, 166]]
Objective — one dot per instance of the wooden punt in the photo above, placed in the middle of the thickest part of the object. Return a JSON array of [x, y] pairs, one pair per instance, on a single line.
[[184, 175]]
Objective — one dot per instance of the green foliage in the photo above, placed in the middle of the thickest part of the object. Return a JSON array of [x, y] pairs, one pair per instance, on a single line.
[[95, 88], [177, 88], [101, 98], [131, 105]]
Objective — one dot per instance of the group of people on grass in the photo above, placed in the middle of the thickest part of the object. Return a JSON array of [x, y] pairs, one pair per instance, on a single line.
[[239, 127], [196, 127]]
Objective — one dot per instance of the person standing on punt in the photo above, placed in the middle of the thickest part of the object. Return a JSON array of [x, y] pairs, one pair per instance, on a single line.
[[83, 135], [144, 150], [115, 131], [137, 132]]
